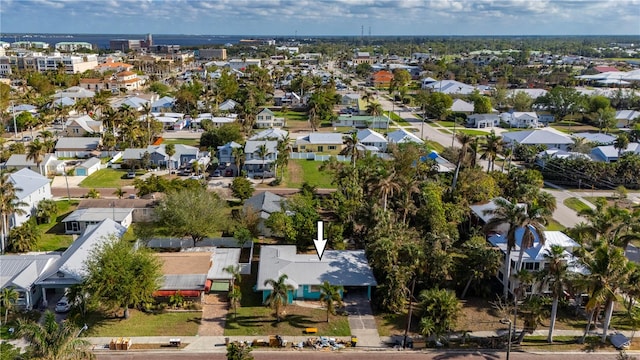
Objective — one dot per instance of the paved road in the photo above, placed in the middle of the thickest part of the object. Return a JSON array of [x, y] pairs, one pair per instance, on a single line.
[[367, 355]]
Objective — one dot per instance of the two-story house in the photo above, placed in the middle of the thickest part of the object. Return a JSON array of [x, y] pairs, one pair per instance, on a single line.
[[225, 152], [267, 119], [519, 119], [82, 126], [31, 189], [257, 162], [373, 140]]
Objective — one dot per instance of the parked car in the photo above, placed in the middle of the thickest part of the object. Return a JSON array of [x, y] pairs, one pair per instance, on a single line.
[[217, 173], [228, 172], [63, 305], [26, 138], [131, 175]]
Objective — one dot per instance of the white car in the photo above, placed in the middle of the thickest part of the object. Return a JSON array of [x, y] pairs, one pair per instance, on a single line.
[[63, 305]]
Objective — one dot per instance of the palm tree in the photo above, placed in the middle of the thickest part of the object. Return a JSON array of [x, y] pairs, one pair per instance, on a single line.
[[279, 295], [263, 152], [284, 153], [374, 109], [238, 157], [36, 151], [490, 149], [52, 341], [441, 310], [119, 193], [621, 143], [330, 297], [236, 276], [580, 145], [9, 205], [235, 296], [465, 143], [146, 111], [8, 298], [557, 276], [170, 150], [386, 186], [351, 143]]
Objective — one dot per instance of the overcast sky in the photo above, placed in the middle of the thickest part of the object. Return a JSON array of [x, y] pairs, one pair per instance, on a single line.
[[323, 17]]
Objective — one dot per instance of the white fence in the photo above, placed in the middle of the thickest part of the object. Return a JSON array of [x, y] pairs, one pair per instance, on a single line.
[[317, 157]]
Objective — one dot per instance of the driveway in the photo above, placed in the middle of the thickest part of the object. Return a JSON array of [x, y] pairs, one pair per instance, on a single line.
[[361, 320]]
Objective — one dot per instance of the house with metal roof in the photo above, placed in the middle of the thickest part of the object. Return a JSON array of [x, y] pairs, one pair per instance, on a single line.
[[158, 155], [450, 87], [271, 134], [608, 153], [550, 138], [88, 167], [20, 273], [50, 164], [625, 118], [31, 189], [69, 269], [82, 126], [264, 204], [481, 121], [595, 138], [165, 103], [227, 105], [75, 93], [324, 143], [519, 119], [362, 121], [225, 152], [402, 136], [347, 268], [372, 140], [81, 219], [77, 147], [461, 106]]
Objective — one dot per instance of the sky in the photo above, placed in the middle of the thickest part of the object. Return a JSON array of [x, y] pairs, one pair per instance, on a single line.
[[323, 17]]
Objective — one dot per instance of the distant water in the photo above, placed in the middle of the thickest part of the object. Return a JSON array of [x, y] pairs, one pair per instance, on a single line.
[[102, 40]]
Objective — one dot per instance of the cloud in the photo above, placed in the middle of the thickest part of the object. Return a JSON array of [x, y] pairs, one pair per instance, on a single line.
[[318, 17]]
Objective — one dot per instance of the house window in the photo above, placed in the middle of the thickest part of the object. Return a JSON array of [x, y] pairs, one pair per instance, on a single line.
[[320, 148], [302, 147], [76, 131], [331, 147], [532, 266], [314, 288]]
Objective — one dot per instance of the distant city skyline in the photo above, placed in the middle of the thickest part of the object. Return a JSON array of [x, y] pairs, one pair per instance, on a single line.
[[323, 17]]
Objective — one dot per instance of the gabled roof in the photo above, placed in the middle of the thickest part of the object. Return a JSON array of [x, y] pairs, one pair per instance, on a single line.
[[85, 143], [535, 137], [63, 101], [598, 138], [21, 160], [165, 101], [252, 146], [85, 122], [460, 105], [70, 266], [610, 152], [627, 114], [338, 267], [227, 105], [403, 136], [90, 162], [231, 144], [27, 182], [538, 250], [324, 138], [267, 111], [370, 136], [265, 202], [275, 133], [23, 270], [451, 87], [98, 214]]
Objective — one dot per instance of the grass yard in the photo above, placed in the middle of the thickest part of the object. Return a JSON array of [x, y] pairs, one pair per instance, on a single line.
[[300, 171], [144, 324], [446, 123], [190, 142], [576, 204], [53, 237], [292, 115], [443, 130], [569, 127], [564, 343], [554, 226], [472, 132], [106, 178], [435, 146], [398, 119]]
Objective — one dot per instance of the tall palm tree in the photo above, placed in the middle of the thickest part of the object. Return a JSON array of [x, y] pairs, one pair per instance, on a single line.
[[284, 153], [557, 276], [465, 144], [490, 149], [52, 341], [263, 152], [532, 220], [146, 111], [330, 297], [8, 298], [170, 150], [238, 157], [351, 143], [36, 151], [235, 296], [621, 143], [514, 216], [9, 205], [386, 187], [279, 295], [374, 109]]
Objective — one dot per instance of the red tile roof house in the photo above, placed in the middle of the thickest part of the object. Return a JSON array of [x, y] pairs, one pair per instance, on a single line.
[[381, 78]]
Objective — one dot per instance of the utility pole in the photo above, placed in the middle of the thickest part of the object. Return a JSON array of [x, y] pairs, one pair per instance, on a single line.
[[15, 128], [406, 331]]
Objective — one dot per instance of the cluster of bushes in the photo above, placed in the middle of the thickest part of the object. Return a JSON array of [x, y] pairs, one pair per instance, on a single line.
[[585, 173]]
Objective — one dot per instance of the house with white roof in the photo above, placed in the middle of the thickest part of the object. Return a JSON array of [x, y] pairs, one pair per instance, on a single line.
[[32, 188], [626, 118], [133, 102], [69, 269], [461, 106], [75, 93], [20, 273], [50, 164], [88, 167], [519, 119], [595, 138], [373, 140], [267, 119], [158, 155], [227, 105], [325, 143], [217, 121], [306, 273], [254, 163], [608, 153], [82, 126], [163, 104], [79, 220], [450, 87], [481, 121], [401, 136], [362, 121], [271, 134], [550, 138]]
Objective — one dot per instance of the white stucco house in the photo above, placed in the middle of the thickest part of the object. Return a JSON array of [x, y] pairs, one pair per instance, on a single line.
[[32, 188]]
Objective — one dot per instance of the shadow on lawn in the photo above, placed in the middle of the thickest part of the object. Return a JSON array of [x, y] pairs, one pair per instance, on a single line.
[[296, 321]]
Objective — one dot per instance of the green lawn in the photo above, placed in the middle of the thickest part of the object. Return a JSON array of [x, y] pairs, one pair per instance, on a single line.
[[53, 237], [554, 226], [107, 178], [442, 130], [292, 115], [300, 171], [575, 204], [190, 142], [446, 123], [435, 146], [398, 119], [144, 324], [472, 132]]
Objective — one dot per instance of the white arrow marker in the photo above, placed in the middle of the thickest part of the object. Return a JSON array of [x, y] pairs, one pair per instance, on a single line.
[[320, 243]]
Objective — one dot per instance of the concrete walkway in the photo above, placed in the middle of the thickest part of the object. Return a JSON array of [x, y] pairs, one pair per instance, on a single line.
[[361, 321]]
